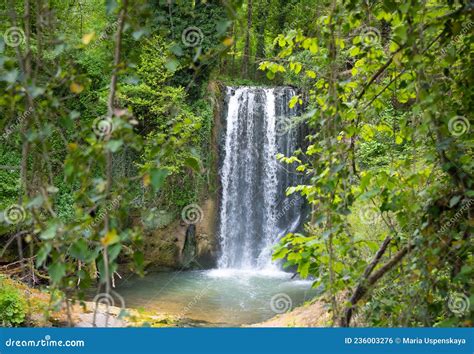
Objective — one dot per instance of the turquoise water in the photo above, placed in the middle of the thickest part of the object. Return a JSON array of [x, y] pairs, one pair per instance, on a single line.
[[221, 297]]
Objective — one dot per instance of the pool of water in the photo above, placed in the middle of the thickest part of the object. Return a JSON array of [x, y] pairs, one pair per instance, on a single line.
[[219, 297]]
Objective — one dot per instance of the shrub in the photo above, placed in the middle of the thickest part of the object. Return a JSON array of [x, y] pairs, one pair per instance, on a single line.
[[12, 306]]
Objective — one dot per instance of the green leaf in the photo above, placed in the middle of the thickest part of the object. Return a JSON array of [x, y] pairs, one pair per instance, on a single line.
[[56, 271], [293, 101], [114, 251], [454, 200], [138, 258], [311, 74], [281, 253], [369, 194], [114, 145], [110, 238], [172, 64], [138, 34], [10, 76], [157, 177], [303, 269], [177, 50], [193, 162], [354, 51], [43, 254], [49, 233], [36, 202], [74, 115], [35, 91], [79, 250], [110, 6], [222, 26]]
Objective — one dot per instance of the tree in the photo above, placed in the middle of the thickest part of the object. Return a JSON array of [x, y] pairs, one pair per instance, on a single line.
[[246, 54], [365, 93]]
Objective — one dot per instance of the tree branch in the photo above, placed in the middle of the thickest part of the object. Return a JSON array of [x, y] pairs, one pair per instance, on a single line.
[[366, 283]]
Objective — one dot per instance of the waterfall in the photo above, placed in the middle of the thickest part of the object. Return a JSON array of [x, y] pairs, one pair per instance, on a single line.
[[254, 211]]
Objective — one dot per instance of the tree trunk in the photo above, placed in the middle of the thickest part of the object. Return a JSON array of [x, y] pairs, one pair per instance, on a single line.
[[365, 284], [246, 59], [262, 14]]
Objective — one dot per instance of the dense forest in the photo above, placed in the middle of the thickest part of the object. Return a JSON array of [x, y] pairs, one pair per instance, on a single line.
[[111, 150]]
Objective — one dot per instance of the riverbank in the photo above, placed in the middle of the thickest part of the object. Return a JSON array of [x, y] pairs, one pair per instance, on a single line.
[[38, 310]]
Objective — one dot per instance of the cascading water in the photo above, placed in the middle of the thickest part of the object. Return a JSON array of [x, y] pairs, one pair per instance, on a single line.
[[254, 210], [254, 213]]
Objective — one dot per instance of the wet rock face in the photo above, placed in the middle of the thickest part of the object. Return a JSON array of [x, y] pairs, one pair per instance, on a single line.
[[206, 238], [182, 246], [190, 247], [200, 241]]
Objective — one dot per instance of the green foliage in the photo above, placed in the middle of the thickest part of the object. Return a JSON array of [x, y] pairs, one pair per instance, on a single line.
[[180, 130], [108, 135], [192, 64], [9, 178], [12, 306], [386, 170]]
